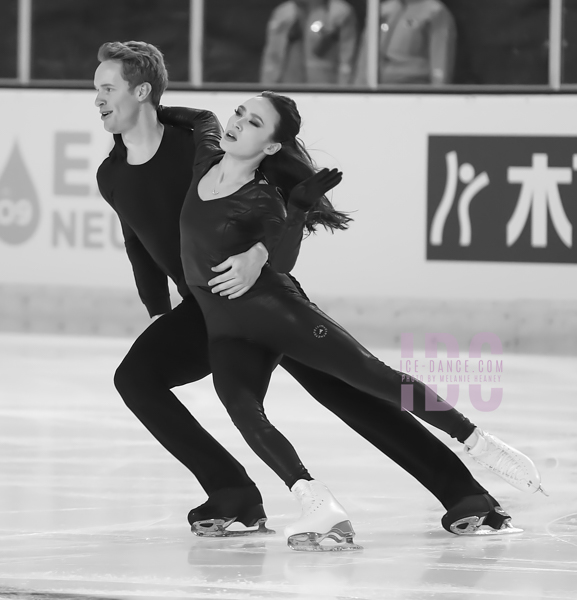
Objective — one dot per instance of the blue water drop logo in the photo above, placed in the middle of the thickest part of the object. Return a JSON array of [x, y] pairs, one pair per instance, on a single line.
[[19, 206]]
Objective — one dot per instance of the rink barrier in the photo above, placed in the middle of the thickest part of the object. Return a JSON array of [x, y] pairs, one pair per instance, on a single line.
[[399, 155], [525, 326]]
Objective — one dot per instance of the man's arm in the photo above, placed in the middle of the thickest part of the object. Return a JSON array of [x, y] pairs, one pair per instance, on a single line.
[[151, 281], [239, 272]]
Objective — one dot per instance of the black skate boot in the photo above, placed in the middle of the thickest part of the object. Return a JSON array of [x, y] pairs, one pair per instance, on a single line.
[[478, 515], [227, 506]]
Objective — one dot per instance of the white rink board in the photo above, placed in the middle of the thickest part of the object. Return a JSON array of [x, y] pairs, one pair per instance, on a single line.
[[379, 141]]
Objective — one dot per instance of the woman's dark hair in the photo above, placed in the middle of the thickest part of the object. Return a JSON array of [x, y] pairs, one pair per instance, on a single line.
[[292, 164]]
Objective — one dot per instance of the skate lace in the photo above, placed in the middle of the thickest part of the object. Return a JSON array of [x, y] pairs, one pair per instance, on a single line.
[[300, 493], [307, 500], [504, 462]]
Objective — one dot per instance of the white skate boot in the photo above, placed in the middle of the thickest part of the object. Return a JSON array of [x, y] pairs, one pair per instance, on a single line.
[[513, 466], [322, 519]]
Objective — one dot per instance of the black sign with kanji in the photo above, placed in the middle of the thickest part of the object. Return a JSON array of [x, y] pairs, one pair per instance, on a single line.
[[502, 198]]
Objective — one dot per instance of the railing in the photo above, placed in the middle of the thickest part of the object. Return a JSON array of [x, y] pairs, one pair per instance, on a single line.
[[28, 23]]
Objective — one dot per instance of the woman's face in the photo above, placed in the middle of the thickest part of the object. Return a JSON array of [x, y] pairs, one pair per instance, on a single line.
[[249, 131]]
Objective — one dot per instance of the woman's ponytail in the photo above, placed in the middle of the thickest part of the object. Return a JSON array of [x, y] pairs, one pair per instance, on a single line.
[[292, 164]]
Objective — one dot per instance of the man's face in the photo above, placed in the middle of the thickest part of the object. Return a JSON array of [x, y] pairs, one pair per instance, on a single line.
[[119, 106]]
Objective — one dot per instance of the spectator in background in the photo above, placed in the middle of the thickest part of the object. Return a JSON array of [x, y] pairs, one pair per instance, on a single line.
[[416, 43], [310, 41]]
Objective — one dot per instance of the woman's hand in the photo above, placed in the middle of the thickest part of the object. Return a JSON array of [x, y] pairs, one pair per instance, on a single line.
[[241, 272], [305, 194]]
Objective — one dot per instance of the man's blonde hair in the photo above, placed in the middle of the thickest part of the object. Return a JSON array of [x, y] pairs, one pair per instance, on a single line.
[[141, 63]]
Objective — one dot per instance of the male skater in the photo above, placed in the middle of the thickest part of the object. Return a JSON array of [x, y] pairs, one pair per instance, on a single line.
[[145, 179]]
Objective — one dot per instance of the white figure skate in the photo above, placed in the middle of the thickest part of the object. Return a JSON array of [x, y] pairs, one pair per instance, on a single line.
[[511, 465], [324, 525]]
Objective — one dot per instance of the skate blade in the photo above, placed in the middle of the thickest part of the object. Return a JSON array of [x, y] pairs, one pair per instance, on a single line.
[[218, 528], [532, 487], [475, 526], [341, 536]]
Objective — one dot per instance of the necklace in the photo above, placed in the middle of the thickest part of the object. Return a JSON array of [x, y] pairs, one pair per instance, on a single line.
[[215, 192]]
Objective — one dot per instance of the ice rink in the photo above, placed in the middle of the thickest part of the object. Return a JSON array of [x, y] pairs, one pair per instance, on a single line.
[[91, 506]]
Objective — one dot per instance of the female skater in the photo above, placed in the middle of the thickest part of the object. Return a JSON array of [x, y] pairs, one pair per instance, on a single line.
[[234, 201]]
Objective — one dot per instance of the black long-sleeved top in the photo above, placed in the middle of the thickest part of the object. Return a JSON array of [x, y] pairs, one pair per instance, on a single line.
[[212, 230], [148, 199]]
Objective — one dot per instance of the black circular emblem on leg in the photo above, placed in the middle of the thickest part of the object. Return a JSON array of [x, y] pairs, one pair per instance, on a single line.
[[320, 331]]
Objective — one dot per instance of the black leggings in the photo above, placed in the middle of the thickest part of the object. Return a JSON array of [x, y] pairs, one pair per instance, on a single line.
[[247, 336], [173, 351]]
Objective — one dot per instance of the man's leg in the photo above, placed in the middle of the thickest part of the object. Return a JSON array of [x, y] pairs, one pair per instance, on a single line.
[[171, 352], [395, 433]]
